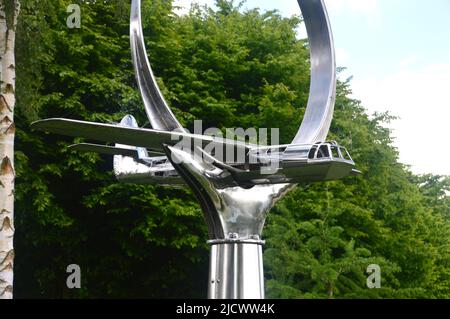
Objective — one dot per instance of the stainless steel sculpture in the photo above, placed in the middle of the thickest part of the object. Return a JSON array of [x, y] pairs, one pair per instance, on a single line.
[[235, 196]]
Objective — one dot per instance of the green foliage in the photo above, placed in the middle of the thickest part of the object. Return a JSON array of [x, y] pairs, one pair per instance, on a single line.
[[231, 69]]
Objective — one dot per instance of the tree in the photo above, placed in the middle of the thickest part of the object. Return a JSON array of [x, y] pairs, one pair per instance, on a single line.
[[231, 68], [9, 12], [322, 237]]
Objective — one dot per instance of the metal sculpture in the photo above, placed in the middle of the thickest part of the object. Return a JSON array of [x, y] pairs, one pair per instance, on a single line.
[[235, 195]]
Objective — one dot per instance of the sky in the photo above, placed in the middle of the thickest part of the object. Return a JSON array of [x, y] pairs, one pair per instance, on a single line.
[[398, 54]]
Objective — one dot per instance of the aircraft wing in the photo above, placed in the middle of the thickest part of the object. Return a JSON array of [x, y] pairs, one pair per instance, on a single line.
[[103, 149], [109, 150], [115, 133]]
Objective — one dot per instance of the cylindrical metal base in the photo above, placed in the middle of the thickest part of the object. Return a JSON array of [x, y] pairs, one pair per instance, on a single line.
[[236, 270]]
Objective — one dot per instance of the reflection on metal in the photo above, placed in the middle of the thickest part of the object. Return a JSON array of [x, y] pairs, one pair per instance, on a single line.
[[236, 270], [322, 96], [158, 112], [130, 135], [141, 168], [234, 194], [228, 210]]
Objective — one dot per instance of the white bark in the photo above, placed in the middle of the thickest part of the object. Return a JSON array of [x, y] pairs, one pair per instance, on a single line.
[[7, 130]]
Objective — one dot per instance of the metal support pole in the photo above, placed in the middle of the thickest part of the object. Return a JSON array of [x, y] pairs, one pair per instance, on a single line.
[[236, 270]]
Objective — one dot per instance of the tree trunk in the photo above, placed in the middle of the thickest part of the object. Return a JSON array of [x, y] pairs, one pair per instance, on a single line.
[[9, 11], [330, 290]]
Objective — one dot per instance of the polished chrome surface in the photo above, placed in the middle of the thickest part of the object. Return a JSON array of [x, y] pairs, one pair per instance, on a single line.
[[235, 217], [157, 109], [234, 197], [239, 212], [124, 134], [228, 210], [236, 271], [140, 168], [108, 150], [319, 112]]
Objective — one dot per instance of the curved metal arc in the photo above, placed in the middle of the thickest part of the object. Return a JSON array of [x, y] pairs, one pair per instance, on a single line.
[[235, 212], [319, 112], [157, 109]]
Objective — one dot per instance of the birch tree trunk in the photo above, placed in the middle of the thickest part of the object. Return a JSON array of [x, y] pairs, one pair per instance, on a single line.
[[9, 11]]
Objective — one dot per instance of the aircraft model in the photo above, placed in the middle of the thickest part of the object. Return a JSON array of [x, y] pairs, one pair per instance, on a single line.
[[147, 155], [236, 183]]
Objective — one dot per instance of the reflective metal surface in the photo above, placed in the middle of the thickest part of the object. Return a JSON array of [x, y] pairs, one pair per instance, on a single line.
[[239, 213], [234, 196], [319, 112], [230, 212], [130, 135], [158, 112], [236, 271], [138, 168]]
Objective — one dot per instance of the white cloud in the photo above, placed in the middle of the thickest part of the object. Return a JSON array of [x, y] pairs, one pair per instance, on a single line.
[[420, 99], [408, 61]]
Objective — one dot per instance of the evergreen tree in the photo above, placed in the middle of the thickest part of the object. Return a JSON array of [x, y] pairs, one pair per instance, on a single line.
[[231, 69]]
